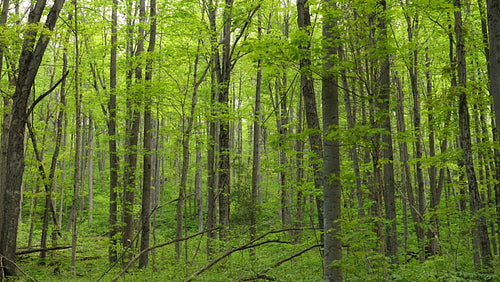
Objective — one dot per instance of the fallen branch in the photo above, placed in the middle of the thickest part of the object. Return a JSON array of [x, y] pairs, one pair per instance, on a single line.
[[155, 247], [248, 245], [14, 264], [229, 252], [261, 274], [42, 249]]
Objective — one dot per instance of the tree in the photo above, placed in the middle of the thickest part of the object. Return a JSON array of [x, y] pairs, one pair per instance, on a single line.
[[481, 230], [34, 46], [383, 103], [113, 155], [494, 72], [148, 144], [307, 90], [332, 189]]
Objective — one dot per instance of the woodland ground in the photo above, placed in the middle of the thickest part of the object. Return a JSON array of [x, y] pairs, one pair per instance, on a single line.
[[359, 263]]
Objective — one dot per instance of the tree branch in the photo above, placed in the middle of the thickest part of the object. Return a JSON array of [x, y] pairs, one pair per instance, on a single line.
[[42, 249], [40, 98], [155, 247]]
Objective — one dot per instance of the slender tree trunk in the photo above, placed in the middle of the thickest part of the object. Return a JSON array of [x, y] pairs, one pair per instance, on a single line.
[[412, 28], [433, 233], [384, 92], [113, 155], [91, 172], [256, 147], [78, 136], [212, 132], [7, 103], [186, 136], [332, 189], [404, 156], [480, 234], [307, 89], [147, 180]]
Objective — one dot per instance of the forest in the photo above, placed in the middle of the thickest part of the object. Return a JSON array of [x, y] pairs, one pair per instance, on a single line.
[[258, 140]]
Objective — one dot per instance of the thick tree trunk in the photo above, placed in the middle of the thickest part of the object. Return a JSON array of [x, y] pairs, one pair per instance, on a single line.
[[494, 72], [332, 189], [224, 145], [29, 62], [480, 234]]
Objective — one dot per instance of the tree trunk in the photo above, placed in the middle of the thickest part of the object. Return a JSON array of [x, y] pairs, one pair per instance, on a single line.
[[7, 103], [494, 73], [480, 234], [91, 172], [332, 189], [147, 180], [132, 136], [307, 89], [224, 145], [384, 92], [29, 62], [256, 147], [212, 132], [113, 155]]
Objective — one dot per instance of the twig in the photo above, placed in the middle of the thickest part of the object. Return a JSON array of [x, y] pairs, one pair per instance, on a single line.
[[2, 257]]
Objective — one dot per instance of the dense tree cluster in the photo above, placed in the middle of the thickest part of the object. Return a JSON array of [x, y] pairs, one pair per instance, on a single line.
[[363, 130]]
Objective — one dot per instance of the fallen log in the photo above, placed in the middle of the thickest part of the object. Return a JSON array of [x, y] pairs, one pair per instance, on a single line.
[[42, 249]]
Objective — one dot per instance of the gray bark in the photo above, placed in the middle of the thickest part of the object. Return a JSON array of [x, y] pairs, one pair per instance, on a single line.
[[332, 190]]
